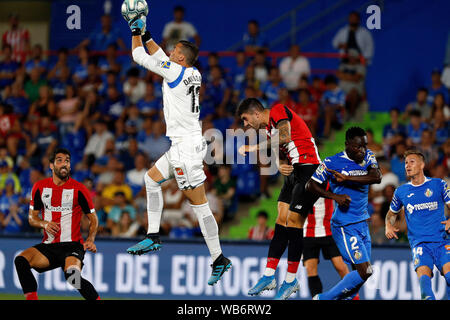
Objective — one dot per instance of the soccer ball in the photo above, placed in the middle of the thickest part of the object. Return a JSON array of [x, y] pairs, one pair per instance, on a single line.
[[133, 8]]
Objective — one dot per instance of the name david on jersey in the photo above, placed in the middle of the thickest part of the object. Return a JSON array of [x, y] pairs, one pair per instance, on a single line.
[[194, 78]]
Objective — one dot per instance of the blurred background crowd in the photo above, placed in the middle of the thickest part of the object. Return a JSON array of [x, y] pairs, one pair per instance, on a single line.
[[95, 101]]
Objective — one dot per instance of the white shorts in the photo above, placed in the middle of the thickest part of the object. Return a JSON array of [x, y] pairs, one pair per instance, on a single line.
[[184, 162]]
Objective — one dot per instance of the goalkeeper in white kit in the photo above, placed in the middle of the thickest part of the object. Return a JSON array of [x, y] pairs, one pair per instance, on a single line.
[[184, 160]]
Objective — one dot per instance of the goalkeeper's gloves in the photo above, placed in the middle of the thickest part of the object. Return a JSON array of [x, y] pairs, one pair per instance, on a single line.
[[137, 25]]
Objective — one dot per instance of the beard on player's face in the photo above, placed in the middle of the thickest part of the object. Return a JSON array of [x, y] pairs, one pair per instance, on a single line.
[[62, 172]]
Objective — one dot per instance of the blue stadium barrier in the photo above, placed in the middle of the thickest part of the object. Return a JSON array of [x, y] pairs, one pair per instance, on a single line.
[[181, 270]]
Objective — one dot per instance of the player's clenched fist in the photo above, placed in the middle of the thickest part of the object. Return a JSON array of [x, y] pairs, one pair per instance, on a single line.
[[343, 200], [89, 245]]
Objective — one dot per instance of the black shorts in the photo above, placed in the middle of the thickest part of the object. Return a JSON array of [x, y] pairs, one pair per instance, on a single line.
[[56, 253], [294, 192], [312, 247]]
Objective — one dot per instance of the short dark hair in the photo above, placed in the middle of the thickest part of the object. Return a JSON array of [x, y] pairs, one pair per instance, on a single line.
[[262, 213], [415, 113], [416, 152], [58, 150], [330, 79], [179, 8], [190, 51], [354, 132], [249, 105]]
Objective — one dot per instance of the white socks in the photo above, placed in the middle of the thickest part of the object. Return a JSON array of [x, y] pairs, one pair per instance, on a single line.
[[154, 204], [209, 228], [269, 272]]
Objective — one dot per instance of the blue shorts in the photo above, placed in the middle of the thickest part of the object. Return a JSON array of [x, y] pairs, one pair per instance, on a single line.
[[353, 241], [431, 254]]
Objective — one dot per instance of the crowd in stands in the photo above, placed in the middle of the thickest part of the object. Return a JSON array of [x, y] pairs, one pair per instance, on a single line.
[[108, 112]]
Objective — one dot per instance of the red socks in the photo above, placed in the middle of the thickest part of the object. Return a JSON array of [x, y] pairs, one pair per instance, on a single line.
[[31, 296]]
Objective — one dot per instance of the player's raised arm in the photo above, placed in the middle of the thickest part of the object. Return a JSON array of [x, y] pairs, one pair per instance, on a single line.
[[156, 61]]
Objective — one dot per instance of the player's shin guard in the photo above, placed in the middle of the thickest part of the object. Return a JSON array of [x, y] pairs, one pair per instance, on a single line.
[[277, 247], [426, 292], [154, 204], [348, 286], [315, 285], [209, 228], [84, 287], [26, 278], [295, 250], [447, 279]]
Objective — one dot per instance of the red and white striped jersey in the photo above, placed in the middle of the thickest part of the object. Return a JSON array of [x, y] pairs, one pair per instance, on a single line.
[[17, 39], [302, 147], [318, 223], [63, 204]]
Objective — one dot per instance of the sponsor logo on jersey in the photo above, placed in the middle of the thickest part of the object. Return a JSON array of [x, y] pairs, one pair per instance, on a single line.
[[355, 173], [165, 64], [422, 206], [428, 193], [410, 195]]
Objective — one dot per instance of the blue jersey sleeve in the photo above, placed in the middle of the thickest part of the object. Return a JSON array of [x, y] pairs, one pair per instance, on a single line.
[[321, 175], [396, 203], [371, 160], [445, 191]]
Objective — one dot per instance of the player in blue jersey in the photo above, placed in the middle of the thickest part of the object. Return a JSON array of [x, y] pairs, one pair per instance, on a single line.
[[424, 201], [349, 173]]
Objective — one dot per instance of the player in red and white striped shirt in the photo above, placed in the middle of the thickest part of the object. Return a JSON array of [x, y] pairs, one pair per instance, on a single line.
[[61, 202], [317, 237]]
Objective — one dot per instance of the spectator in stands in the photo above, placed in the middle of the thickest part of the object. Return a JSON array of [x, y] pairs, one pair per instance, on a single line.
[[261, 65], [375, 147], [308, 110], [135, 176], [18, 38], [293, 67], [106, 166], [248, 82], [8, 68], [428, 149], [261, 231], [15, 96], [317, 88], [7, 174], [333, 104], [150, 106], [217, 90], [254, 40], [14, 219], [225, 188], [376, 228], [127, 227], [117, 184], [420, 104], [110, 62], [284, 98], [354, 36], [103, 36], [237, 70], [67, 110], [113, 106], [446, 157], [93, 81], [134, 87], [80, 71], [389, 178], [60, 65], [120, 205], [156, 144], [177, 30], [33, 84], [45, 141], [173, 215], [36, 60], [44, 105], [96, 143], [440, 104], [388, 194], [393, 133], [60, 84], [441, 127], [415, 128], [398, 161], [437, 87], [271, 87], [351, 76]]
